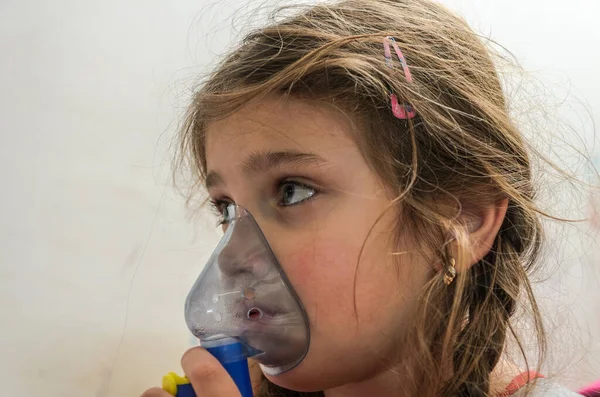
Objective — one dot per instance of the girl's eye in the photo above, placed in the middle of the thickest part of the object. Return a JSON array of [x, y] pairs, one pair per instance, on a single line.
[[221, 208], [226, 213], [292, 193]]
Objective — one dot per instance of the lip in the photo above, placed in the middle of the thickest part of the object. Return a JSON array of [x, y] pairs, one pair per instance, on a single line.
[[270, 303], [266, 326], [266, 311]]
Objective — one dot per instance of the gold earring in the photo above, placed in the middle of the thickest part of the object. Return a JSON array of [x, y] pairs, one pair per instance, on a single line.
[[450, 272]]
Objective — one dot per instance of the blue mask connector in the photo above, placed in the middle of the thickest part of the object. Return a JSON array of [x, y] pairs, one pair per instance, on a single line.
[[232, 355]]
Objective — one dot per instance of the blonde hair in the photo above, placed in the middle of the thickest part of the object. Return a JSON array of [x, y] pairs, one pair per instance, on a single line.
[[462, 147]]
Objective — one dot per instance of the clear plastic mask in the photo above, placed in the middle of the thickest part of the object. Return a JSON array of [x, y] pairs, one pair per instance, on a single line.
[[243, 293]]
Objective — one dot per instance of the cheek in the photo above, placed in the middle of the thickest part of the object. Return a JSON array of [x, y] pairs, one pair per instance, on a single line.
[[322, 273]]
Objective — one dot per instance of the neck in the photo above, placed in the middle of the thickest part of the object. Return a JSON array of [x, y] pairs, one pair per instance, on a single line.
[[398, 383], [389, 383]]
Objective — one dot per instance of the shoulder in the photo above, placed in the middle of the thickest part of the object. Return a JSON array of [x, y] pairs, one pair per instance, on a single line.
[[546, 388]]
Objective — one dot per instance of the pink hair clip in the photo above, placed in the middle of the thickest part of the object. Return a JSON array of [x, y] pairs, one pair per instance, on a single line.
[[400, 111]]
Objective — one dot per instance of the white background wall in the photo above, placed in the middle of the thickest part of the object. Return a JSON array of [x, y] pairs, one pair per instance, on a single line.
[[96, 255]]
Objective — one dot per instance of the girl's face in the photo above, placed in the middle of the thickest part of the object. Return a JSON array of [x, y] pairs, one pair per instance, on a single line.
[[328, 219]]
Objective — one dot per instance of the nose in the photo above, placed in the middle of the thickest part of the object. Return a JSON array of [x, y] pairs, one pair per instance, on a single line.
[[244, 248]]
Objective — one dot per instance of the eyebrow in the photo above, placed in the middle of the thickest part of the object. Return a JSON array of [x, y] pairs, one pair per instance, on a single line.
[[261, 162]]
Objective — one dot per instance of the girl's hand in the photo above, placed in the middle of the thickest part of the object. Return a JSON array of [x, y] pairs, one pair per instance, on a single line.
[[207, 375]]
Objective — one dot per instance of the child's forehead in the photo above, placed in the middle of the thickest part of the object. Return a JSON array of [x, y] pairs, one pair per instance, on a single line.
[[289, 123], [268, 135]]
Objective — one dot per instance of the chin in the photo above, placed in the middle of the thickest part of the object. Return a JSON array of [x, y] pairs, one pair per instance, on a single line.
[[311, 377], [300, 379]]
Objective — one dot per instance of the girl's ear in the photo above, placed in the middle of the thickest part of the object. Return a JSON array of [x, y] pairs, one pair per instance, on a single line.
[[483, 225]]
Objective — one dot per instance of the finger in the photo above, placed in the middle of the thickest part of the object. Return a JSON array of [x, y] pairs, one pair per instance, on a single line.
[[156, 392], [207, 375]]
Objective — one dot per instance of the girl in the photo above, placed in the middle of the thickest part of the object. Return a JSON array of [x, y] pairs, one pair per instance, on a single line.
[[372, 143]]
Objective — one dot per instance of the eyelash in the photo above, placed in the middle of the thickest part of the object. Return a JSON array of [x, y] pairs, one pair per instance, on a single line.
[[219, 205]]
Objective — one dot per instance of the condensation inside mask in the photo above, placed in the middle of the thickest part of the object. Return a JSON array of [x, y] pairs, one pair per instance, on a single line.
[[243, 293]]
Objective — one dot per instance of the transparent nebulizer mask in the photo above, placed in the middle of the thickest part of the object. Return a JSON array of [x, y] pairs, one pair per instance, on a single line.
[[242, 296]]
